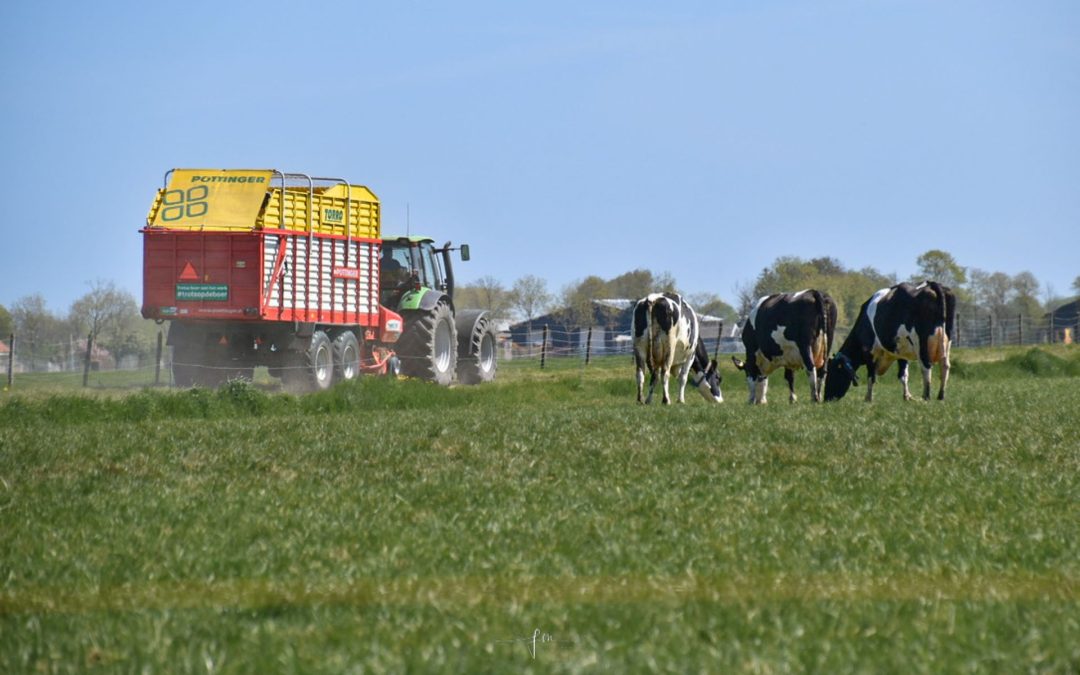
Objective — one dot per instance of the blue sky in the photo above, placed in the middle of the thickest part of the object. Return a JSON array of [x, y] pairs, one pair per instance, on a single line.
[[560, 139]]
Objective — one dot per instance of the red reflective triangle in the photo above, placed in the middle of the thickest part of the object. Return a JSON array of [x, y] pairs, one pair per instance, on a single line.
[[189, 273]]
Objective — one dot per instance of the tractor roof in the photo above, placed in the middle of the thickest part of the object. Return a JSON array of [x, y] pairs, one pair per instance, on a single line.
[[412, 239]]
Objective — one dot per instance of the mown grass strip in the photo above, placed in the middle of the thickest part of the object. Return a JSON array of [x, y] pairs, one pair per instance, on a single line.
[[500, 590]]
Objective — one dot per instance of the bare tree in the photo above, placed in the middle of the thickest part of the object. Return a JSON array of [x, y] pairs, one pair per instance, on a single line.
[[744, 298], [992, 291], [530, 297], [105, 311], [487, 293]]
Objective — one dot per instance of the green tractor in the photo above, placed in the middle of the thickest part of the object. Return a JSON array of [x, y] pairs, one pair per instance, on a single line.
[[439, 343]]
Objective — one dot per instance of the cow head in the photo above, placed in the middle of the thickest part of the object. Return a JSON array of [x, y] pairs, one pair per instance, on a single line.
[[708, 383], [841, 376]]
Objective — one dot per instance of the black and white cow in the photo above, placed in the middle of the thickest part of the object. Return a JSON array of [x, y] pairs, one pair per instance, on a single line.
[[789, 331], [667, 335], [903, 323]]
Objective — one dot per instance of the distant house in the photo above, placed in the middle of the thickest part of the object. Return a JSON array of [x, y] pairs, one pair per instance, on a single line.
[[611, 321], [1064, 322], [100, 358], [5, 354]]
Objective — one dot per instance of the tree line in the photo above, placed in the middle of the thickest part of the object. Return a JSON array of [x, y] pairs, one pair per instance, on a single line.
[[111, 315], [107, 313], [979, 292]]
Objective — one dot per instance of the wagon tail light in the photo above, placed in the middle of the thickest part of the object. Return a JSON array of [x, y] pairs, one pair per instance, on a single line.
[[392, 325]]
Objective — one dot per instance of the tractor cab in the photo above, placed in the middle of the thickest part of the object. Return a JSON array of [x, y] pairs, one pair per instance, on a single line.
[[411, 267]]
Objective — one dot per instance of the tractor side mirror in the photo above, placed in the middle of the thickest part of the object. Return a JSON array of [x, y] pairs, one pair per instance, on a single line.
[[465, 252]]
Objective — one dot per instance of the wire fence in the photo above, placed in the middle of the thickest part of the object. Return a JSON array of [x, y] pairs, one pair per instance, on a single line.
[[79, 363], [968, 332]]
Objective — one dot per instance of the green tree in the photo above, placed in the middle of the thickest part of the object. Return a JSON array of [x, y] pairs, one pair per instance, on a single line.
[[42, 336], [7, 324], [1025, 291], [1076, 284], [940, 266], [577, 299], [631, 285], [487, 293], [714, 305], [849, 289]]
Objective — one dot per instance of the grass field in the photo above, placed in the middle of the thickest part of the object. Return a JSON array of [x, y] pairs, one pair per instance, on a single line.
[[546, 523]]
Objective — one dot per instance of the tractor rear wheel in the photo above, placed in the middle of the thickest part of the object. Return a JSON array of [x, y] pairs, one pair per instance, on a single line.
[[428, 345]]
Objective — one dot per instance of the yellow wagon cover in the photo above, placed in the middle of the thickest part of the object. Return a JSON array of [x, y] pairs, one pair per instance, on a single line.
[[249, 199], [211, 199]]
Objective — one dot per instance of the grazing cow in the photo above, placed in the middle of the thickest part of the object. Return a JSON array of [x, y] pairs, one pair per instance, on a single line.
[[789, 331], [667, 335], [903, 323]]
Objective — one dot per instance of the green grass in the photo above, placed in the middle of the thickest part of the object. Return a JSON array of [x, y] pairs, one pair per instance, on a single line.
[[395, 526]]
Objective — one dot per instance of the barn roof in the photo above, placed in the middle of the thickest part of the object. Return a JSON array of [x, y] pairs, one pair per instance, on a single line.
[[1070, 311]]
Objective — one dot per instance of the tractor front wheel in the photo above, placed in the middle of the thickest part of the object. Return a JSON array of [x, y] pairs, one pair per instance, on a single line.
[[478, 360]]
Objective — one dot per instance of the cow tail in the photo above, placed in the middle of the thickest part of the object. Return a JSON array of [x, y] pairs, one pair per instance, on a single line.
[[943, 313], [823, 318], [822, 311], [943, 310]]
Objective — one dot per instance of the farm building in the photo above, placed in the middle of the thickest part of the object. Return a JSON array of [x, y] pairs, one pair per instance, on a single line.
[[1064, 322], [611, 320]]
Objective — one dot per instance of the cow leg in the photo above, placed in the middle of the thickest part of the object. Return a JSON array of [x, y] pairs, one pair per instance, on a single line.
[[927, 367], [751, 385], [902, 373], [871, 378], [639, 376], [821, 373], [665, 379], [761, 390], [684, 373], [944, 370], [789, 376], [811, 372], [652, 385]]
